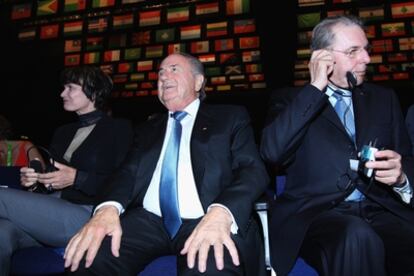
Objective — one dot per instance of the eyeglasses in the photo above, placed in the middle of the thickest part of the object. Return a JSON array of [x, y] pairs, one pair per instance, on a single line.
[[353, 52]]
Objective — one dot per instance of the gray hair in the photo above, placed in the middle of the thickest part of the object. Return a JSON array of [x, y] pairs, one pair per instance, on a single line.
[[322, 34]]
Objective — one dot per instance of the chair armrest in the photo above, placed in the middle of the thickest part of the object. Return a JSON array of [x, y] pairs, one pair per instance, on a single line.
[[261, 208]]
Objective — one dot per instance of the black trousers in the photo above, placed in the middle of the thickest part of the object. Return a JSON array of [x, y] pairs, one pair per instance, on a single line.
[[144, 239], [360, 239]]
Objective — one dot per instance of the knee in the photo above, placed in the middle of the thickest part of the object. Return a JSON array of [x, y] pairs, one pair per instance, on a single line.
[[8, 237], [358, 234]]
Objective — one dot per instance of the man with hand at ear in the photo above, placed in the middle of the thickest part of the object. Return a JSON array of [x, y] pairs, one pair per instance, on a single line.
[[334, 214]]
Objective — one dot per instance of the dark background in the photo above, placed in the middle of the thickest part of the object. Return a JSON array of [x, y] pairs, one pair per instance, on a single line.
[[30, 85]]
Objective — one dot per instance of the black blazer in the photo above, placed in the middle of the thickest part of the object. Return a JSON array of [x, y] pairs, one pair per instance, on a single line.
[[306, 137], [95, 159]]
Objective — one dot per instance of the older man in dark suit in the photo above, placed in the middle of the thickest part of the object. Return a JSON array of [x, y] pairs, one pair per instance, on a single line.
[[342, 215], [205, 217]]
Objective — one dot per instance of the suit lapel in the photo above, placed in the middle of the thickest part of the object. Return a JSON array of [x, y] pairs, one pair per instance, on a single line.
[[330, 115], [361, 106]]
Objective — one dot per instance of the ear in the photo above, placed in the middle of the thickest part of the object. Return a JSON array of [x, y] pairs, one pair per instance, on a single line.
[[199, 80]]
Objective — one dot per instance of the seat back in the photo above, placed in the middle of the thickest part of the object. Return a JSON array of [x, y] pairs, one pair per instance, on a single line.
[[10, 176]]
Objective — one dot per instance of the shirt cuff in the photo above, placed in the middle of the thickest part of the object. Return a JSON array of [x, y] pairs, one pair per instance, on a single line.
[[117, 205], [405, 192], [234, 228]]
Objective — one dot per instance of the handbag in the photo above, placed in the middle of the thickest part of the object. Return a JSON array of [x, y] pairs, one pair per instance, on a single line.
[[37, 166]]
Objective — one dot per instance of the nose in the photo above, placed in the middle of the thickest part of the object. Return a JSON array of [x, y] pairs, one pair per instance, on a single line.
[[366, 57]]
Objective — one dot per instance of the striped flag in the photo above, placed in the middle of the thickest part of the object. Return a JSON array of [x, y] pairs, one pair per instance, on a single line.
[[304, 37], [237, 78], [402, 10], [383, 45], [397, 57], [47, 7], [401, 76], [237, 6], [74, 5], [207, 8], [190, 32], [137, 77], [107, 68], [21, 11], [154, 51], [122, 21], [244, 26], [120, 78], [199, 47], [112, 55], [218, 80], [251, 56], [94, 43], [226, 87], [216, 29], [72, 28], [176, 47], [406, 43], [141, 38], [376, 59], [165, 35], [147, 85], [49, 31], [152, 75], [307, 3], [73, 45], [131, 86], [102, 3], [303, 53], [27, 33], [132, 53], [224, 44], [98, 25], [178, 14], [207, 58], [253, 68], [370, 31], [249, 42], [145, 65], [91, 57], [72, 60], [125, 67], [117, 41], [393, 29], [131, 1], [149, 18], [372, 13]]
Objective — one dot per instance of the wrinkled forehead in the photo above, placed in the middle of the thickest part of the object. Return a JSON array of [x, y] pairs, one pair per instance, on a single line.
[[174, 60]]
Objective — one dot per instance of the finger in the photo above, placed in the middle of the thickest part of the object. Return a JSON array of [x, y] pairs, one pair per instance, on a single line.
[[92, 251], [187, 244], [219, 255], [116, 243], [202, 256], [70, 251], [191, 253], [231, 247]]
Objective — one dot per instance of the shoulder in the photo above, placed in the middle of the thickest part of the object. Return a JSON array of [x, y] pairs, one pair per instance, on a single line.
[[220, 110], [117, 124]]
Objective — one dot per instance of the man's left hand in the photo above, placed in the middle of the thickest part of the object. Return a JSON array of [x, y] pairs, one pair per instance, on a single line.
[[388, 168], [213, 230]]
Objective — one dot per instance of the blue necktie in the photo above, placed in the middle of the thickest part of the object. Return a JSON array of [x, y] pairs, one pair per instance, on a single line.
[[343, 109], [168, 183]]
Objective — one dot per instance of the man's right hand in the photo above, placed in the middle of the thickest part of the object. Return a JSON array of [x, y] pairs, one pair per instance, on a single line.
[[89, 238]]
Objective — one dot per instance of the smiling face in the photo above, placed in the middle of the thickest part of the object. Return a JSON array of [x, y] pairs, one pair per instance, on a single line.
[[74, 99], [349, 39], [178, 84]]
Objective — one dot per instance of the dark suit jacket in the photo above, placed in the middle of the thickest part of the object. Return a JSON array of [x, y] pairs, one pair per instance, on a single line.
[[100, 154], [409, 122], [226, 164], [306, 136]]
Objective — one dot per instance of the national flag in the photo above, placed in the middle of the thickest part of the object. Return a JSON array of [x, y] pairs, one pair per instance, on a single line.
[[94, 43], [376, 59], [393, 29], [332, 13], [207, 8], [212, 71], [259, 85], [74, 5], [145, 65], [152, 75], [397, 57], [216, 29], [102, 3], [229, 58], [237, 6], [154, 51], [370, 31], [49, 31], [149, 18], [304, 37], [165, 35], [131, 1], [141, 38], [372, 13], [387, 68], [226, 87], [301, 74], [112, 55], [127, 94], [27, 33], [251, 56], [232, 70], [406, 43], [307, 3], [207, 58], [47, 7], [341, 1], [73, 28], [178, 14], [97, 25], [141, 93], [120, 78], [131, 86], [253, 68], [383, 45], [300, 82], [407, 66], [123, 21], [303, 53], [249, 42], [199, 47], [401, 76], [382, 77], [237, 78], [190, 32], [218, 80], [402, 10], [224, 44], [107, 68], [301, 64], [308, 20], [21, 11], [137, 77], [73, 45], [132, 53], [91, 57], [72, 60], [176, 47], [239, 86], [147, 85], [125, 67], [244, 26], [117, 41]]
